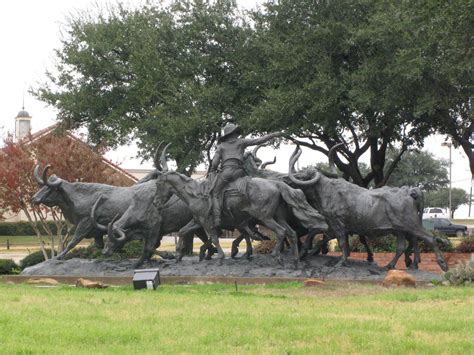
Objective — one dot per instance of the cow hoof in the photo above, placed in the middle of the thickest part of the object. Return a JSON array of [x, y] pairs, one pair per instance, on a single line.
[[234, 252]]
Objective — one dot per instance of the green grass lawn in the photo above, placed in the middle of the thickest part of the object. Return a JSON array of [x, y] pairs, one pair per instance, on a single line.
[[284, 318]]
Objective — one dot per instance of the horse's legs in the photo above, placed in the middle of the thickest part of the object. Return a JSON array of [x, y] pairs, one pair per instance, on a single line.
[[399, 251], [247, 232], [206, 246], [213, 233], [370, 255]]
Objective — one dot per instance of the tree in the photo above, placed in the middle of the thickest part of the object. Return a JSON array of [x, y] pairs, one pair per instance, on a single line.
[[161, 73], [418, 168], [338, 72], [440, 198], [445, 30], [369, 74], [70, 158]]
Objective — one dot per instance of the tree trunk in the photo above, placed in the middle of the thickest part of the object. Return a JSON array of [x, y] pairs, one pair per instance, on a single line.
[[35, 228]]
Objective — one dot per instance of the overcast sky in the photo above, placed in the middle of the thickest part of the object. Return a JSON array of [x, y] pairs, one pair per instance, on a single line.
[[29, 33]]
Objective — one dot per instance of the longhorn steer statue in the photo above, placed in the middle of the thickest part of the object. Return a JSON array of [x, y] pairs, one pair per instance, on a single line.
[[76, 199], [349, 208], [152, 223], [255, 168], [246, 199]]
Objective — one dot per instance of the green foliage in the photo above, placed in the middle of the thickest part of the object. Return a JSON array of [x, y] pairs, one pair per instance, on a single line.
[[466, 246], [418, 168], [388, 244], [89, 252], [368, 73], [22, 228], [8, 267], [33, 259], [385, 244], [463, 274], [440, 198], [132, 249], [161, 73]]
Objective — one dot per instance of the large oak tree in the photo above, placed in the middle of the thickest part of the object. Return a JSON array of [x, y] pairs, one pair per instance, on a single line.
[[369, 74]]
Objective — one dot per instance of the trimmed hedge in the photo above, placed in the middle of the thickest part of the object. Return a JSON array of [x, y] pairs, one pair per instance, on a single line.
[[21, 228], [33, 259], [8, 267]]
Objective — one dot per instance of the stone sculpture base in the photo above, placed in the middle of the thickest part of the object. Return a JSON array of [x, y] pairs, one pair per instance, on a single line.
[[259, 266]]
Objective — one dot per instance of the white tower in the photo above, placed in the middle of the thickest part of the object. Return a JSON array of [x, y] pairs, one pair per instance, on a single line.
[[22, 124]]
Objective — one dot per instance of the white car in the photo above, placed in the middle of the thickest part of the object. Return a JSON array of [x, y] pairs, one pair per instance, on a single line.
[[436, 212]]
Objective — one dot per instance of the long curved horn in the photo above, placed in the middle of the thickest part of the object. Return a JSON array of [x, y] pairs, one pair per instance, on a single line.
[[294, 157], [111, 231], [164, 163], [255, 150], [332, 151], [53, 184], [264, 165], [38, 178], [156, 157], [94, 220]]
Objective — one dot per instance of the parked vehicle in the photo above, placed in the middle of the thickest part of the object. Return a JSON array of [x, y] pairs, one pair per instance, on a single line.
[[435, 212], [444, 225]]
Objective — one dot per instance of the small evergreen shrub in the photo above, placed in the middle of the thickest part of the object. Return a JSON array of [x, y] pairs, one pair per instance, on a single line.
[[463, 274], [33, 259], [131, 250], [89, 252], [8, 267], [466, 246]]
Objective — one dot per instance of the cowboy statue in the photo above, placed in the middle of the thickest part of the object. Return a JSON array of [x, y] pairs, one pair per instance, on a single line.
[[230, 156]]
